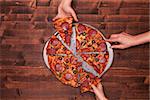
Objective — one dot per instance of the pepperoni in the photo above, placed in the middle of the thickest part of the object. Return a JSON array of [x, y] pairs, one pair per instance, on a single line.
[[55, 42], [68, 76], [67, 38], [65, 26], [85, 83], [51, 51], [103, 46], [91, 75], [84, 57], [67, 60], [86, 49], [106, 56], [92, 32], [81, 28], [58, 67]]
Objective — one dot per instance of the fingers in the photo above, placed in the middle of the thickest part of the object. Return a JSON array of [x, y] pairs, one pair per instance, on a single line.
[[117, 46], [113, 38], [96, 91], [63, 15], [55, 18], [97, 98], [74, 15], [114, 35], [100, 86]]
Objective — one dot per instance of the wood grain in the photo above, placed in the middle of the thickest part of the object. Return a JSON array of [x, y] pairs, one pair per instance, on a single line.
[[25, 29]]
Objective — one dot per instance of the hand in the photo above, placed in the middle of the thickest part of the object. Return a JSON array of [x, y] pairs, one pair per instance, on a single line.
[[65, 10], [125, 40], [99, 92]]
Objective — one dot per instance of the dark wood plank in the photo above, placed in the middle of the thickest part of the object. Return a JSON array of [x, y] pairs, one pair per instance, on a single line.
[[25, 28]]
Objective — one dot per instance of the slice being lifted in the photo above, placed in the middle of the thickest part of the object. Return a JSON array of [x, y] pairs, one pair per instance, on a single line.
[[64, 27]]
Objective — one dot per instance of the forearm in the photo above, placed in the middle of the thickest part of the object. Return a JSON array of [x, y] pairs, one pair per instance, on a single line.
[[142, 38]]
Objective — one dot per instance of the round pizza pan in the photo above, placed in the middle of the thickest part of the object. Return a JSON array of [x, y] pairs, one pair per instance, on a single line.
[[109, 49]]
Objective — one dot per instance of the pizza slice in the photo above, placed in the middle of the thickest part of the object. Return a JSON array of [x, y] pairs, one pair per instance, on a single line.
[[70, 76], [86, 79], [97, 61], [64, 28], [56, 65], [88, 39], [55, 47], [65, 69]]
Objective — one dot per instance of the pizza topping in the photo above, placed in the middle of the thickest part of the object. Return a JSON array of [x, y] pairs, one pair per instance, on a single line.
[[51, 51], [103, 46], [91, 75], [59, 75], [92, 32], [81, 28], [83, 43], [84, 33], [60, 58], [106, 56], [95, 55], [96, 59], [67, 60], [89, 45], [74, 60], [68, 76], [85, 83], [55, 42], [93, 41], [67, 67], [84, 56], [64, 48], [58, 67], [85, 50], [66, 32], [75, 71], [87, 76], [65, 26], [67, 38]]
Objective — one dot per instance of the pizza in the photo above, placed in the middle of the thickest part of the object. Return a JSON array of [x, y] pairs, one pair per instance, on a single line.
[[77, 54], [64, 27]]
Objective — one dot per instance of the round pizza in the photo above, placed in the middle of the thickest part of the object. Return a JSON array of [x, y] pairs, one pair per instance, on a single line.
[[77, 54]]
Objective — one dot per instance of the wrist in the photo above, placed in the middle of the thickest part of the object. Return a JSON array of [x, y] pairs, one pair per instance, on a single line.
[[140, 39], [135, 41], [66, 2]]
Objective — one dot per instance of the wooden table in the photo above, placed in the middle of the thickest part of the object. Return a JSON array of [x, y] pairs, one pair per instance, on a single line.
[[24, 31]]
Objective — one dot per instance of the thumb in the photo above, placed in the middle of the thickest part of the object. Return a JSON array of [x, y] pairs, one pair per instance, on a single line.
[[96, 91], [117, 46], [56, 17], [74, 15], [112, 40]]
